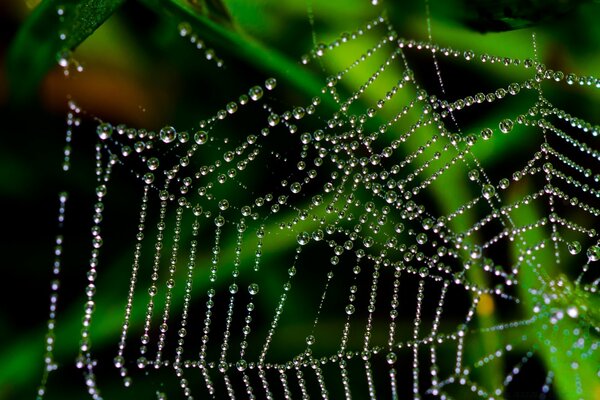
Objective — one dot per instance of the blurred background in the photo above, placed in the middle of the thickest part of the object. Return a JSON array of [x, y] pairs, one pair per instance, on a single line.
[[137, 70]]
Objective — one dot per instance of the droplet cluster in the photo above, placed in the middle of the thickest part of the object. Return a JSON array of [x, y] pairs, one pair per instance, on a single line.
[[347, 226]]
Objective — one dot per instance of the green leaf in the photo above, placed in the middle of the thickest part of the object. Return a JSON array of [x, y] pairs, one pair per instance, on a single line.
[[236, 42], [52, 28]]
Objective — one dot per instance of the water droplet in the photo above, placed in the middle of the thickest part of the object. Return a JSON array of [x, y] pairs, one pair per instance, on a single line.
[[303, 238], [391, 196], [255, 93], [295, 187], [101, 191], [270, 83], [350, 309], [488, 191], [391, 357], [63, 57], [486, 133], [506, 125], [184, 29], [104, 130], [153, 163], [574, 247], [241, 365], [474, 175], [253, 288], [148, 178], [183, 137], [201, 137], [223, 366], [168, 134], [475, 252], [298, 112], [593, 253], [223, 205], [231, 107]]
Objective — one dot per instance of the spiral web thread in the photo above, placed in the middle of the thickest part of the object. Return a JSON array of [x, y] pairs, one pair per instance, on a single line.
[[361, 231]]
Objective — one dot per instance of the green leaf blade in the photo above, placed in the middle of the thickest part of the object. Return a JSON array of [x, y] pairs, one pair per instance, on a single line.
[[51, 28]]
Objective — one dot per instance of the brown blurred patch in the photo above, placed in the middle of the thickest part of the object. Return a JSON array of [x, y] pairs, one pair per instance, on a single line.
[[108, 94]]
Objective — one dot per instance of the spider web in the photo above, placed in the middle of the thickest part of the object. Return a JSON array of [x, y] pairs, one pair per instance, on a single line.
[[351, 269]]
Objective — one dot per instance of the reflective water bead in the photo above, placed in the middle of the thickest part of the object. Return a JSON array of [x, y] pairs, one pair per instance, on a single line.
[[63, 58], [488, 191], [167, 134], [514, 88], [231, 107], [253, 288], [101, 191], [391, 357], [574, 247], [104, 130], [486, 133], [241, 365], [506, 125], [593, 253], [184, 29], [473, 175], [270, 83], [148, 178], [201, 137], [255, 93], [153, 163], [183, 137], [303, 238]]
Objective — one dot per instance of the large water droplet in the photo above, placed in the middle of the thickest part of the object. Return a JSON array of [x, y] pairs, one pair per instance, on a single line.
[[574, 247], [473, 175], [270, 83], [104, 130], [488, 191], [255, 93], [201, 137], [153, 163], [391, 357], [101, 191], [593, 253], [168, 134], [303, 238], [253, 288], [506, 125]]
